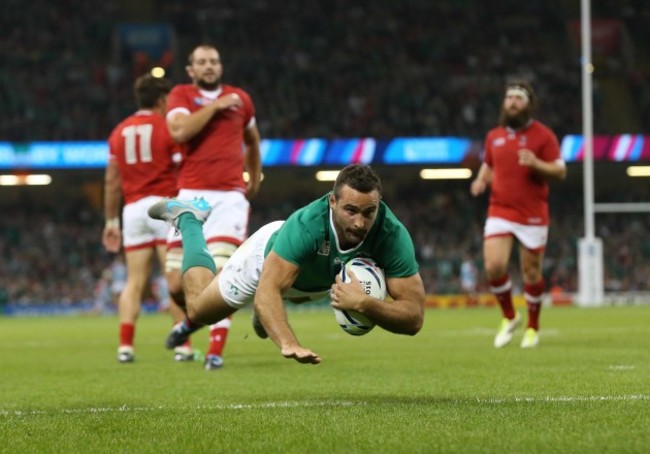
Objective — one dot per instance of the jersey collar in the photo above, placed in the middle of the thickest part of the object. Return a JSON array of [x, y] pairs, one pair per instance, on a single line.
[[336, 237], [211, 94]]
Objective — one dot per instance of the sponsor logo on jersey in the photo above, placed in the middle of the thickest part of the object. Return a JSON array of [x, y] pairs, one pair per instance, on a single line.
[[499, 142], [200, 101]]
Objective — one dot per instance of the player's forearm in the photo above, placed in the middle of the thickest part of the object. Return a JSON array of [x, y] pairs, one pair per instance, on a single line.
[[111, 208], [254, 161], [482, 180], [112, 197], [398, 316], [484, 174], [253, 156], [556, 169], [271, 313], [112, 193], [183, 127], [405, 314], [254, 167]]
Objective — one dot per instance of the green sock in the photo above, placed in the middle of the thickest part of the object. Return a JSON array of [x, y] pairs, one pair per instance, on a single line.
[[195, 249]]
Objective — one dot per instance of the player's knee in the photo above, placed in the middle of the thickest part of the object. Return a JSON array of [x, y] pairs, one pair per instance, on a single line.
[[221, 252], [174, 284], [532, 274], [133, 288], [178, 298], [495, 269]]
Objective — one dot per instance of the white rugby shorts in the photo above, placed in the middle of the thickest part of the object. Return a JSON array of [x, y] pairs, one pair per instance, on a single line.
[[240, 276], [533, 237], [138, 229], [228, 220]]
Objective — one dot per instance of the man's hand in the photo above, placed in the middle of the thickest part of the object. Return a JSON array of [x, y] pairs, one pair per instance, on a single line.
[[477, 187], [231, 101], [112, 238], [252, 188], [300, 354], [347, 295], [527, 158]]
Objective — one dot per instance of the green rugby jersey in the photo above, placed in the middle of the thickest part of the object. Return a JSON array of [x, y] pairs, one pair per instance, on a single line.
[[308, 240]]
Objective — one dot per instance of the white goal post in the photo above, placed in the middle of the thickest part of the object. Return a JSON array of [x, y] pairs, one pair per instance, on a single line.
[[591, 291], [591, 270], [591, 288], [590, 249]]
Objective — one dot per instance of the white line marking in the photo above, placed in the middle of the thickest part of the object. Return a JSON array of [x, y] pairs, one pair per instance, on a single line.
[[126, 408], [622, 367], [566, 399], [294, 404]]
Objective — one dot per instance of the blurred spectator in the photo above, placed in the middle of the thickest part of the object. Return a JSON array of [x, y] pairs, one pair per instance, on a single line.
[[334, 69], [56, 256]]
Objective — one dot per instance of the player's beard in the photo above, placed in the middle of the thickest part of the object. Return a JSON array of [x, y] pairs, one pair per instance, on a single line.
[[354, 236], [208, 86], [514, 120], [349, 237]]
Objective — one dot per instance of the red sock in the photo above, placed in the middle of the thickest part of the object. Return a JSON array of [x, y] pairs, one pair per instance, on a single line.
[[502, 289], [533, 294], [127, 333], [218, 336]]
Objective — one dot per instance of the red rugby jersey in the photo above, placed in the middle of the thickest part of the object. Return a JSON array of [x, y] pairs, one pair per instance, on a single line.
[[518, 193], [144, 151], [214, 158]]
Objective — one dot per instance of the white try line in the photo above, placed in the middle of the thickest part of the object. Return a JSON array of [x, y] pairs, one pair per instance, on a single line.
[[336, 403], [565, 399], [127, 408]]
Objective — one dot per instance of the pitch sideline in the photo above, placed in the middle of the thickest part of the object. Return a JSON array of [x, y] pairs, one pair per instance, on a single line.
[[295, 404]]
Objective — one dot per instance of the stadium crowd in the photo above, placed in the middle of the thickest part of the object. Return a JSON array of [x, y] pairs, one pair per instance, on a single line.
[[50, 252], [55, 255], [379, 69]]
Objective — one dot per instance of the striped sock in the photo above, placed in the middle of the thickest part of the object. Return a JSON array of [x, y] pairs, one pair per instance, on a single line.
[[502, 289]]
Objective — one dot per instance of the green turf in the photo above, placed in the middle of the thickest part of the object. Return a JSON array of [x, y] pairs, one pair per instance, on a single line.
[[586, 389]]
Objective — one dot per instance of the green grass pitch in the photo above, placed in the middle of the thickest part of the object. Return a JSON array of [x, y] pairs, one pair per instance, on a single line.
[[586, 389]]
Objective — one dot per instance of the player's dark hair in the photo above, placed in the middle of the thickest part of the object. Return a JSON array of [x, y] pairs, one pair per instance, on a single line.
[[190, 56], [149, 89], [359, 177]]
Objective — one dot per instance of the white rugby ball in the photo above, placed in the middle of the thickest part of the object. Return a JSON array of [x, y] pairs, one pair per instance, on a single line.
[[373, 282]]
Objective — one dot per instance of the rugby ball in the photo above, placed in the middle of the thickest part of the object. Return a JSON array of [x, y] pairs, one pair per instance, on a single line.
[[373, 282]]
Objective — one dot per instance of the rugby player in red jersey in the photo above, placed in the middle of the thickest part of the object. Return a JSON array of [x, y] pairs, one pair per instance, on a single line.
[[215, 122], [521, 155], [141, 170]]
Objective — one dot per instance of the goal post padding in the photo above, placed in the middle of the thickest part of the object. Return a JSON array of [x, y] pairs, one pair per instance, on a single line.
[[591, 290]]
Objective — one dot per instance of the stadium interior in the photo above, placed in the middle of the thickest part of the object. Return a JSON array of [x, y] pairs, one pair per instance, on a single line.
[[378, 69]]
